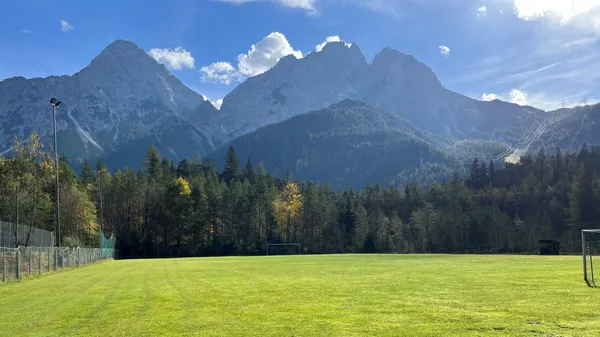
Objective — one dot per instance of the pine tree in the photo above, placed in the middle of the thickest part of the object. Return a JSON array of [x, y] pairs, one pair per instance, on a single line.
[[86, 172], [100, 166], [557, 165], [152, 163], [482, 175], [260, 169], [492, 173], [249, 171], [232, 166], [183, 169], [361, 227], [581, 199], [541, 159], [474, 174]]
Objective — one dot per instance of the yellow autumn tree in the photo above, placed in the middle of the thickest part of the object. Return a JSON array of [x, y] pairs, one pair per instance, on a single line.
[[287, 207], [183, 187]]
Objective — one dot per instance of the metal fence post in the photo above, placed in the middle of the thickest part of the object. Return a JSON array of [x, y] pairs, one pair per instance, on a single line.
[[3, 264], [55, 259], [49, 249], [30, 260], [40, 258], [18, 263]]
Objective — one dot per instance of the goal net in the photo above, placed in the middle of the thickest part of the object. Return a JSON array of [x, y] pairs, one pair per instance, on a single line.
[[283, 249], [590, 246]]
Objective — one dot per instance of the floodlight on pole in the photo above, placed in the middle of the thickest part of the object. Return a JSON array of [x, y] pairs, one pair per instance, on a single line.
[[55, 104]]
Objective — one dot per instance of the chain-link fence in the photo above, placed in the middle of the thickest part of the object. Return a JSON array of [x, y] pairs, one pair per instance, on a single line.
[[16, 263], [13, 236]]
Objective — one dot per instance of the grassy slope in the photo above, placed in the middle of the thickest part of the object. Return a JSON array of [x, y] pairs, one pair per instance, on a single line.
[[336, 295]]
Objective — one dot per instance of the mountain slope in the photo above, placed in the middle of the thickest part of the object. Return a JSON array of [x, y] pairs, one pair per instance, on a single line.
[[122, 95], [569, 129], [397, 82], [294, 86], [348, 144]]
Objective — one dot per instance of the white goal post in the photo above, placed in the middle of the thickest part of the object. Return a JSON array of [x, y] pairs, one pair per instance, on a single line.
[[590, 251], [293, 247]]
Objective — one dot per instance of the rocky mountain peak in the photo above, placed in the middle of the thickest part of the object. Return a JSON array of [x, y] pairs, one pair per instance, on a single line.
[[122, 96], [294, 86], [122, 54], [391, 62], [341, 51]]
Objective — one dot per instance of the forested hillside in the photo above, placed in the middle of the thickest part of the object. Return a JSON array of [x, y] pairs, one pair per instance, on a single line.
[[569, 128], [192, 209], [348, 144]]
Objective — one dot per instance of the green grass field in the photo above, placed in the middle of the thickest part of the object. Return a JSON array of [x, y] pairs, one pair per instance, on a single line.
[[334, 295]]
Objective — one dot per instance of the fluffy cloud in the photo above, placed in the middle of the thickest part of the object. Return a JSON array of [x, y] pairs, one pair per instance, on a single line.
[[559, 10], [302, 4], [444, 50], [489, 97], [265, 54], [176, 59], [26, 31], [261, 57], [65, 26], [220, 72], [514, 96], [481, 11], [329, 39], [518, 97]]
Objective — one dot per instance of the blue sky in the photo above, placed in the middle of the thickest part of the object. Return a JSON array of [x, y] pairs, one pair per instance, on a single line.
[[544, 53]]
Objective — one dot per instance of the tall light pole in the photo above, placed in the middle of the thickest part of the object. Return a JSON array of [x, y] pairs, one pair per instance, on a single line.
[[99, 177], [55, 104]]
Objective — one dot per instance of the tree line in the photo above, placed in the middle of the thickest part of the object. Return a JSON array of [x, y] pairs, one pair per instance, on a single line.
[[191, 209]]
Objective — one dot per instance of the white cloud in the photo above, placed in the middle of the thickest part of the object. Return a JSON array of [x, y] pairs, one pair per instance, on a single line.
[[176, 59], [444, 50], [330, 39], [563, 11], [514, 96], [301, 4], [518, 97], [65, 26], [220, 72], [489, 97], [26, 31], [481, 11], [218, 103], [265, 54], [261, 57]]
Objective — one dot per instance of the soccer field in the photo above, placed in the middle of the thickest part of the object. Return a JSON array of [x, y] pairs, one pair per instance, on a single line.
[[331, 295]]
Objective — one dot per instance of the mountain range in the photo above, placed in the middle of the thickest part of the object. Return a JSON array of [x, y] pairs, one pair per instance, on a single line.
[[330, 116], [122, 97]]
